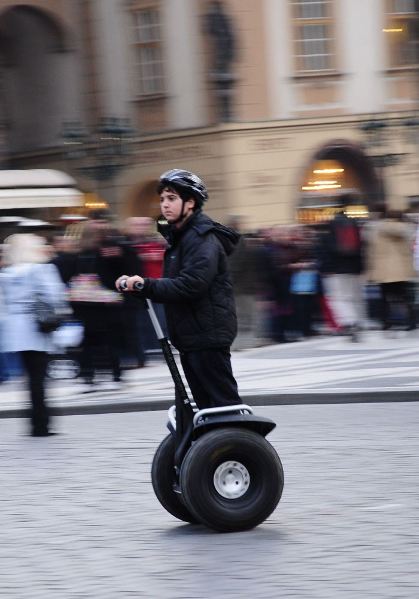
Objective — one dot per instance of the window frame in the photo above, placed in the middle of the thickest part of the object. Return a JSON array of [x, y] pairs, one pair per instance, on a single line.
[[302, 58], [395, 47], [149, 71]]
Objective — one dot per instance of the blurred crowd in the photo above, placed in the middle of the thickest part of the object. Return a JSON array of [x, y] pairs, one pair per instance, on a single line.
[[338, 277], [116, 332], [291, 283]]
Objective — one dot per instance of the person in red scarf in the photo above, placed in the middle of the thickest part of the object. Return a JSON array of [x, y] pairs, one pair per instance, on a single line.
[[151, 250], [141, 237]]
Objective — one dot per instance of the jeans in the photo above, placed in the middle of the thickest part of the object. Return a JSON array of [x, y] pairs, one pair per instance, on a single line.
[[10, 366]]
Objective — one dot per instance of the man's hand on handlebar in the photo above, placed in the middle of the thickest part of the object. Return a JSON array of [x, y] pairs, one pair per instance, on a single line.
[[126, 283]]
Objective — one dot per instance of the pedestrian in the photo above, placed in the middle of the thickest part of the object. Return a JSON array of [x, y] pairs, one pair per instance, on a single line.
[[275, 258], [90, 275], [342, 264], [304, 283], [196, 289], [243, 267], [390, 260], [141, 237], [25, 277], [3, 363]]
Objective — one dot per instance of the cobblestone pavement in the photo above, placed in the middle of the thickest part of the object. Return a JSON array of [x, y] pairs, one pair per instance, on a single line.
[[79, 518]]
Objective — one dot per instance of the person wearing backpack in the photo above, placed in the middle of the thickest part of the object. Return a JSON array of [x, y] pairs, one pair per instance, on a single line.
[[342, 268]]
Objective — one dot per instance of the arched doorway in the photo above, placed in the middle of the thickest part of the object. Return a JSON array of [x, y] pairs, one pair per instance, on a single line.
[[143, 200], [35, 79], [336, 168]]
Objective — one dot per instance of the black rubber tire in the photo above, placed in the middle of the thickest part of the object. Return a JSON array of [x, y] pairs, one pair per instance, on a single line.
[[199, 492], [163, 477]]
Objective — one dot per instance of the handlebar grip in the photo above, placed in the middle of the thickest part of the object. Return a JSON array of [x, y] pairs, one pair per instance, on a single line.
[[137, 285]]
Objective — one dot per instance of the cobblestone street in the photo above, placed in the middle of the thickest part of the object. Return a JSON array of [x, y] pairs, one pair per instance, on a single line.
[[79, 518]]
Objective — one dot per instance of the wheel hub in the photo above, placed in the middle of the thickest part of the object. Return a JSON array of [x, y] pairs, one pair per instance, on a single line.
[[231, 480]]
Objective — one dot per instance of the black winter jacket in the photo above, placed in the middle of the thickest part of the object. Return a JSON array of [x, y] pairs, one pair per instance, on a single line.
[[331, 260], [196, 287]]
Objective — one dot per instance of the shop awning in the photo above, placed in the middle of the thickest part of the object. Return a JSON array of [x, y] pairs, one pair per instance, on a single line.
[[38, 188]]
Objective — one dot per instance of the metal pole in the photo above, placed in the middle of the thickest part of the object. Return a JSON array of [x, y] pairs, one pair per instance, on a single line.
[[154, 320]]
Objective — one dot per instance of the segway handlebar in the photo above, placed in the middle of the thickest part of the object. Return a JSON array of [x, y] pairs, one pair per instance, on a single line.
[[123, 285], [182, 398]]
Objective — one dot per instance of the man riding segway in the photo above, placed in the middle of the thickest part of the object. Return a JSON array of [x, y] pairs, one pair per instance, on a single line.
[[197, 293]]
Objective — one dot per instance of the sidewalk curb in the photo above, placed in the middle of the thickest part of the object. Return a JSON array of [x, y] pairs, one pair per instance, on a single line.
[[271, 399]]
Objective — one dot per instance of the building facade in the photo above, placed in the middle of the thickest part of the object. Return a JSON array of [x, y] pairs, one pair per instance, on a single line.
[[280, 105]]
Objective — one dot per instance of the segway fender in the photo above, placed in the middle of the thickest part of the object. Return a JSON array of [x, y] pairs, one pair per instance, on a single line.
[[258, 424], [171, 423]]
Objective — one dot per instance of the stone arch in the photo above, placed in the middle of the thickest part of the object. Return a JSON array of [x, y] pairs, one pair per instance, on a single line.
[[368, 183], [35, 76], [56, 25], [142, 200]]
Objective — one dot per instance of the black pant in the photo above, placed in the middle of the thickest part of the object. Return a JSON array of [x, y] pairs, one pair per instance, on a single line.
[[398, 292], [210, 377], [135, 342], [35, 365], [102, 340], [303, 312]]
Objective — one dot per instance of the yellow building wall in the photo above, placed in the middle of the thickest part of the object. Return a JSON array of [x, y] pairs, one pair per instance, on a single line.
[[255, 171]]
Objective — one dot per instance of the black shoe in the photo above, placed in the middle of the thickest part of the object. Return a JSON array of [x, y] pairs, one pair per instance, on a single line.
[[43, 434]]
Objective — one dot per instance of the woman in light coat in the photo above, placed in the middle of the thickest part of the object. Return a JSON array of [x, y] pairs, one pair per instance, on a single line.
[[25, 277], [390, 263]]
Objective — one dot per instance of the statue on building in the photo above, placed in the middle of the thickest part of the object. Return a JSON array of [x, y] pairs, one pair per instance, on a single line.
[[219, 27]]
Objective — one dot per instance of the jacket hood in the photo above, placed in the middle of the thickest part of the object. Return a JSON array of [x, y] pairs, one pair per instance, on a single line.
[[202, 224]]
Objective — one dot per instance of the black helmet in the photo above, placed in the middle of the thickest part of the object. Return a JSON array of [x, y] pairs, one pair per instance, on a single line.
[[186, 182]]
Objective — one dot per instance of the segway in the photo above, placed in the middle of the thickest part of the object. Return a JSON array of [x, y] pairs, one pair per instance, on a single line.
[[215, 467]]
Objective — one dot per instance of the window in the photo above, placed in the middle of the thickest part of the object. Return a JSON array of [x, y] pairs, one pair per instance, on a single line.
[[313, 35], [402, 31], [402, 6], [149, 68]]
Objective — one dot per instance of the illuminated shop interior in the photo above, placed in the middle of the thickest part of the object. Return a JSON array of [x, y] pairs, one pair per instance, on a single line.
[[323, 184]]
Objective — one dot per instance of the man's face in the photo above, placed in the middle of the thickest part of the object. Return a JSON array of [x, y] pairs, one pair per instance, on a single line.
[[171, 205]]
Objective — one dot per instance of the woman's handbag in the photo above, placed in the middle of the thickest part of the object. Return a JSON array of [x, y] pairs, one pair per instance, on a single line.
[[48, 317], [69, 334]]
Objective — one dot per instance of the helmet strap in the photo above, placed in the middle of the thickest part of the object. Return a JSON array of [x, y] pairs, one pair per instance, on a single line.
[[182, 214]]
